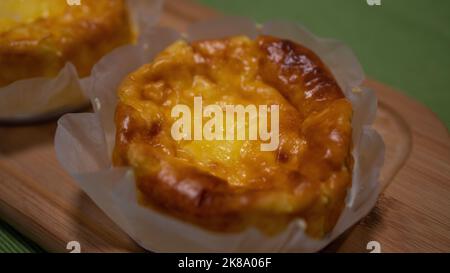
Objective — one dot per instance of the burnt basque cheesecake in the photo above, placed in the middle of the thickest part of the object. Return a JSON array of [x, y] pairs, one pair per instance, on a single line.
[[229, 185], [38, 37]]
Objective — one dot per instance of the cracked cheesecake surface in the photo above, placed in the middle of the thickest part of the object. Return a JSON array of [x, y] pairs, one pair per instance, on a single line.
[[37, 37], [229, 185]]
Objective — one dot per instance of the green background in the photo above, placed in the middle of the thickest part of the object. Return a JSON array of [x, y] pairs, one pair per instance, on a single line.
[[403, 43]]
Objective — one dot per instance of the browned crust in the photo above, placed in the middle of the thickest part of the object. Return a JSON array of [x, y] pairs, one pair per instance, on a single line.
[[81, 36], [316, 111]]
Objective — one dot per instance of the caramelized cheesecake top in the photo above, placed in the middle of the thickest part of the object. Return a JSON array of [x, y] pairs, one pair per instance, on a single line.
[[38, 37], [228, 185], [13, 13]]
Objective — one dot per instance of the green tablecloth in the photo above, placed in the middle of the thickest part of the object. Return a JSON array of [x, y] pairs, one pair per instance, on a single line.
[[12, 241], [403, 43]]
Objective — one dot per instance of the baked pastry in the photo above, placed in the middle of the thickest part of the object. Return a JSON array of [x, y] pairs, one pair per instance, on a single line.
[[228, 185], [37, 37]]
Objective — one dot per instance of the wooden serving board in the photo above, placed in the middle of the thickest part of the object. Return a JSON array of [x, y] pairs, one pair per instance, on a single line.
[[40, 200]]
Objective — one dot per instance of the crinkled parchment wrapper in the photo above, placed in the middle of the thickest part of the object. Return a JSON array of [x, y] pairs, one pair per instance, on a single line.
[[40, 98], [84, 143]]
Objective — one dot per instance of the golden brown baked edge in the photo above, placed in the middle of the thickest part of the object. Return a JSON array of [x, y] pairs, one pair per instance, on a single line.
[[82, 35], [310, 183]]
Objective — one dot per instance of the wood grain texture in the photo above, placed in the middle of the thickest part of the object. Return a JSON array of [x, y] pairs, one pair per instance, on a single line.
[[40, 200]]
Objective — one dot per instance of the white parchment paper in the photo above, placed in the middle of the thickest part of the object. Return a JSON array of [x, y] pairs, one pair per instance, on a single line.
[[36, 98], [84, 143]]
